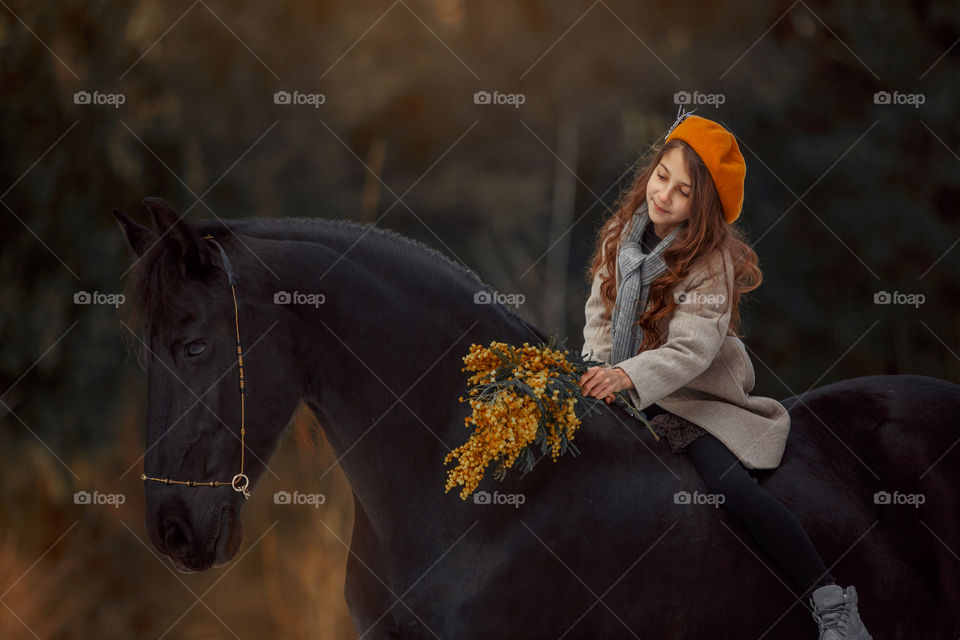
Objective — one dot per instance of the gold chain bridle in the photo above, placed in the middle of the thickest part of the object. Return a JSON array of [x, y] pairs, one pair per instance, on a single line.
[[240, 482]]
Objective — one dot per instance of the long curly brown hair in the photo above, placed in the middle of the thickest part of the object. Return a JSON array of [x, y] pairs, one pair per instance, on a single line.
[[703, 233]]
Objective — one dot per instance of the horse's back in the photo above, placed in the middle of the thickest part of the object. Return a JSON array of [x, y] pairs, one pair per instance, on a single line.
[[883, 426]]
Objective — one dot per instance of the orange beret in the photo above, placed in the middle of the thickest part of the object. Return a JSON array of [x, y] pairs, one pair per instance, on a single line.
[[719, 151]]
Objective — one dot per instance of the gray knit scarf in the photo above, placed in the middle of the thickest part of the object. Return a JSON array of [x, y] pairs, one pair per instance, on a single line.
[[637, 271]]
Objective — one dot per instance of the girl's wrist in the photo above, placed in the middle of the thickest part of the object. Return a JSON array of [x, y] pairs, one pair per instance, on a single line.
[[627, 382]]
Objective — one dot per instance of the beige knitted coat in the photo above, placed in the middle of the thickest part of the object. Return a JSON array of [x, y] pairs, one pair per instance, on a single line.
[[700, 373]]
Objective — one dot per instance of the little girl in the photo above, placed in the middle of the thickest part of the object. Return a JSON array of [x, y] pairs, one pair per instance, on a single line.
[[679, 268]]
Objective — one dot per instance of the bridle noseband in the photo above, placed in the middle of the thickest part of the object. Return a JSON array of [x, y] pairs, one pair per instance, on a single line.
[[240, 482]]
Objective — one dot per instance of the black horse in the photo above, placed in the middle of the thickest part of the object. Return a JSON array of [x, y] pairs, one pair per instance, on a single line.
[[600, 546]]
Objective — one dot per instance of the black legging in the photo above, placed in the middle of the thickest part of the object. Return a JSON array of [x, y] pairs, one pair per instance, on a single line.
[[774, 527]]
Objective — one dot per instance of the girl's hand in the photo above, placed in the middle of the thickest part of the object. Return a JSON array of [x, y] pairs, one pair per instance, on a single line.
[[600, 382]]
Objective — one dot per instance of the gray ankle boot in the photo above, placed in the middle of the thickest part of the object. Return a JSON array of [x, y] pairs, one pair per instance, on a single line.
[[835, 611]]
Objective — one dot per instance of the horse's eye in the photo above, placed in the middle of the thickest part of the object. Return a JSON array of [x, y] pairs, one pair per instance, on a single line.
[[196, 348]]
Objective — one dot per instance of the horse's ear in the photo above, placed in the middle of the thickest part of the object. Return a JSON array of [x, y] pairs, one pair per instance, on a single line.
[[137, 234], [179, 236]]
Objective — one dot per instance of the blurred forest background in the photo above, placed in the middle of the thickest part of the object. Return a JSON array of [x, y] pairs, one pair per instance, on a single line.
[[847, 195]]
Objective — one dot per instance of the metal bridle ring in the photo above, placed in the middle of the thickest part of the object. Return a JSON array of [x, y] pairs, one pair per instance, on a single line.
[[240, 483]]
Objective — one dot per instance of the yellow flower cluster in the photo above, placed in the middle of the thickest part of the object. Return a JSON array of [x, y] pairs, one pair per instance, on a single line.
[[515, 395]]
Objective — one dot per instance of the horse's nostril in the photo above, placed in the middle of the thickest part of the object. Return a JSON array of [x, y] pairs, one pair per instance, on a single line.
[[176, 537]]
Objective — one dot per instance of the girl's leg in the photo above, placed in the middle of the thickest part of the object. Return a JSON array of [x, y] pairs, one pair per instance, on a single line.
[[774, 528]]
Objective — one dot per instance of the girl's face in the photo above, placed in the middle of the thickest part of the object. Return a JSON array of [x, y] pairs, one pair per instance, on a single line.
[[669, 193]]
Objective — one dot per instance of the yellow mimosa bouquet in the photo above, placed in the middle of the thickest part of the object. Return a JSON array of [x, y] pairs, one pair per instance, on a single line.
[[520, 396]]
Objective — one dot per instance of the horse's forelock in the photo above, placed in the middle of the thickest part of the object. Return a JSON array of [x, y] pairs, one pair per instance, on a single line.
[[152, 291]]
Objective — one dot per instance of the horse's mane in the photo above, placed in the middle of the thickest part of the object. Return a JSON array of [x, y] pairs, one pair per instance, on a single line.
[[153, 284], [319, 230]]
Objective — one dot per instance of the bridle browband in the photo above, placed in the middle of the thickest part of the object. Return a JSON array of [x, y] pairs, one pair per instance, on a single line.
[[240, 482]]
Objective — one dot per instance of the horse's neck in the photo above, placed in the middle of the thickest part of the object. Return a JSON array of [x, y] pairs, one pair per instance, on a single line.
[[382, 359]]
